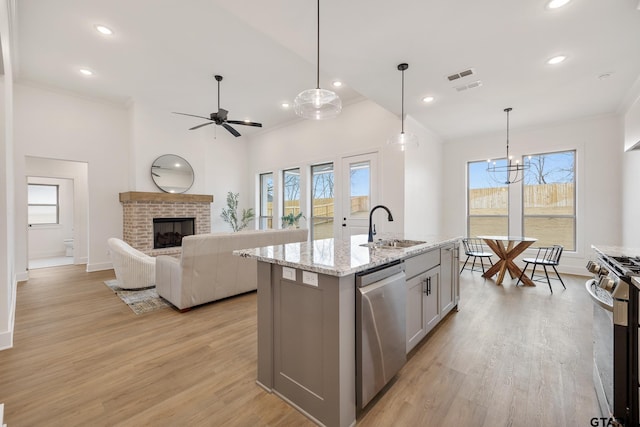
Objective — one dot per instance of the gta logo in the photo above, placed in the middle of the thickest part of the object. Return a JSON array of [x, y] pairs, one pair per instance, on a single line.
[[605, 422]]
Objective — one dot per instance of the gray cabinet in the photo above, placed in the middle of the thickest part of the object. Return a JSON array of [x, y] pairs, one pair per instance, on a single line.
[[432, 290], [423, 283], [449, 284]]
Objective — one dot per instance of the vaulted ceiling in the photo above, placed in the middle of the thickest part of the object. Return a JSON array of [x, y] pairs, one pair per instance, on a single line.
[[166, 52]]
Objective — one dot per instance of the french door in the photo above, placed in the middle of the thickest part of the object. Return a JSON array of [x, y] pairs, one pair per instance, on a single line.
[[359, 192]]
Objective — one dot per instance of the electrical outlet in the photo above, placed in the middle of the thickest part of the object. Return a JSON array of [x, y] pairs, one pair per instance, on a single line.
[[289, 273], [310, 278]]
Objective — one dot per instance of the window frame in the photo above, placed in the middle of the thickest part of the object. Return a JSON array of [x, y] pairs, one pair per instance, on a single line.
[[312, 216], [575, 199], [57, 205], [263, 219], [283, 197], [469, 215]]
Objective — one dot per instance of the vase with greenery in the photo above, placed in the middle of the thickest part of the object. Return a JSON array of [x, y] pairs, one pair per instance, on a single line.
[[291, 220], [230, 213]]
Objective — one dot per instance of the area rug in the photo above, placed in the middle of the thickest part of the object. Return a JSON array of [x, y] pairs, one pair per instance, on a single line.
[[140, 301]]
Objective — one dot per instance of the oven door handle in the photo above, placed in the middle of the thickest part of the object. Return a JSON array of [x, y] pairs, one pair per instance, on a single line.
[[588, 284]]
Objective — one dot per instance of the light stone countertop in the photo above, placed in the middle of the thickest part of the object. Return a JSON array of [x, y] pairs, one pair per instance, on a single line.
[[337, 257], [617, 250]]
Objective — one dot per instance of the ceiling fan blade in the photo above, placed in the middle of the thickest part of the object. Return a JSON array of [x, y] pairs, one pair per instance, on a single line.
[[232, 130], [241, 122], [199, 126], [192, 115]]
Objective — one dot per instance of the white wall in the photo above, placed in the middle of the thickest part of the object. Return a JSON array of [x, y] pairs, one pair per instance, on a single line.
[[631, 180], [423, 183], [7, 215], [81, 130], [598, 141], [219, 160], [362, 127], [46, 240], [632, 126]]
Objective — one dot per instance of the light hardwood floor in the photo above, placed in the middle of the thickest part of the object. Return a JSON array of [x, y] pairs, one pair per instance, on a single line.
[[510, 357]]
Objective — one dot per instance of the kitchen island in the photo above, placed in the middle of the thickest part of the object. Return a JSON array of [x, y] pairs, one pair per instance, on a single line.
[[307, 313]]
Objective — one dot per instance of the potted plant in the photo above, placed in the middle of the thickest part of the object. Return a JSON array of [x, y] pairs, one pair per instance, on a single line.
[[230, 213], [291, 221]]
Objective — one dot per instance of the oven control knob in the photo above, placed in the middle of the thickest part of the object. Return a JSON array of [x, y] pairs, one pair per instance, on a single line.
[[603, 271], [593, 267], [606, 283]]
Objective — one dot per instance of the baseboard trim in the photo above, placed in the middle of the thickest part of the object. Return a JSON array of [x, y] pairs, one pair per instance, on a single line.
[[99, 266], [6, 340], [22, 276]]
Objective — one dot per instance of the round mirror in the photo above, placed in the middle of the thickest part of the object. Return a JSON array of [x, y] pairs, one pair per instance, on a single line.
[[172, 174]]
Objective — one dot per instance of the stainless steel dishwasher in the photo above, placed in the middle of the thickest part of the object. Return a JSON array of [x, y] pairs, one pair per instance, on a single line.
[[380, 329]]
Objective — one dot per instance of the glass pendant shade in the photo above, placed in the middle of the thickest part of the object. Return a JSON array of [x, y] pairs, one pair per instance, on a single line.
[[317, 104], [404, 141]]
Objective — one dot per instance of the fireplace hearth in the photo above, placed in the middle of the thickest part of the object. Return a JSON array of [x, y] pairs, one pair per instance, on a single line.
[[168, 232]]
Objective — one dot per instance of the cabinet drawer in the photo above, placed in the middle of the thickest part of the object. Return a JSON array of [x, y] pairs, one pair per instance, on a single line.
[[420, 263]]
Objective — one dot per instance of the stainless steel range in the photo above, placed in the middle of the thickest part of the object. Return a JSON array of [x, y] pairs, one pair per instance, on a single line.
[[614, 290]]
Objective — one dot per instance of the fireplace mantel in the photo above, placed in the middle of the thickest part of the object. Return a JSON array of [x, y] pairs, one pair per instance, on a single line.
[[139, 196], [141, 208]]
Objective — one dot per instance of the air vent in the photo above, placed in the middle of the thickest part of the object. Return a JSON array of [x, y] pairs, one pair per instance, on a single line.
[[461, 74], [471, 85]]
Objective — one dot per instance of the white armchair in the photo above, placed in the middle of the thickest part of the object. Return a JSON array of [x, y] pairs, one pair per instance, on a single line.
[[133, 268]]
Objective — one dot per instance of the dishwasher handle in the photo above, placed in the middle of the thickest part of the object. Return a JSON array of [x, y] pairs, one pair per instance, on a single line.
[[374, 275]]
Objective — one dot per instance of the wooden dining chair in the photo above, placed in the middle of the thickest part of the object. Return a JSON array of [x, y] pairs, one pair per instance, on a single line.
[[548, 256], [474, 247]]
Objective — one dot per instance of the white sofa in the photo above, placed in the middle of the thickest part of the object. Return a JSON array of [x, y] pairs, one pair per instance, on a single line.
[[133, 268], [208, 271]]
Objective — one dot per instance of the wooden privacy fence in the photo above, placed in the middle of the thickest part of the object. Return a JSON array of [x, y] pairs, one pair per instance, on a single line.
[[322, 207], [560, 195]]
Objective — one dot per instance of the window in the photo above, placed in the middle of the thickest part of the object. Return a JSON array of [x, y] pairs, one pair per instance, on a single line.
[[322, 201], [360, 191], [291, 191], [266, 201], [549, 199], [487, 201], [42, 204]]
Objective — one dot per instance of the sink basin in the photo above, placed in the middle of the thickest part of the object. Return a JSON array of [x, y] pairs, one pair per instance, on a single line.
[[393, 244]]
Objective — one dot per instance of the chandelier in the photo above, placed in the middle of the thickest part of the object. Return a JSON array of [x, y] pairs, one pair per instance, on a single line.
[[317, 104], [512, 171]]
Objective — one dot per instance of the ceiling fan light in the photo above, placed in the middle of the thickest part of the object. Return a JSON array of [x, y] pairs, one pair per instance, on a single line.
[[317, 104], [403, 141]]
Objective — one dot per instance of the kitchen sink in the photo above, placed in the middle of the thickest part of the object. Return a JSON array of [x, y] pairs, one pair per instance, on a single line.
[[393, 244]]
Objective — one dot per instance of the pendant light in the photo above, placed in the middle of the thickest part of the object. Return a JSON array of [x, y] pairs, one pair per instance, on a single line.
[[403, 140], [317, 104], [512, 172]]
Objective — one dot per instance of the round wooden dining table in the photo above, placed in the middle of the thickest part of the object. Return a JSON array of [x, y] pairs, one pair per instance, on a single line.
[[507, 248]]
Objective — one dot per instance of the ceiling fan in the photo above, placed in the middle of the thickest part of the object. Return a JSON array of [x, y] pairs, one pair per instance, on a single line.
[[220, 118]]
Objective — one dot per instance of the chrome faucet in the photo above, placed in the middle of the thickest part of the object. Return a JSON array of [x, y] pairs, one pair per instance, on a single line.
[[390, 218]]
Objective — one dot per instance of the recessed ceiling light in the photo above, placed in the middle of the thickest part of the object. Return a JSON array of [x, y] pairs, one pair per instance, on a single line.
[[555, 4], [556, 60], [86, 72], [103, 30], [428, 99], [285, 105], [247, 121], [337, 83]]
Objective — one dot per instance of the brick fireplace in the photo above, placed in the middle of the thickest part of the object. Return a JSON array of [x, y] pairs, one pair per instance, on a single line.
[[140, 209]]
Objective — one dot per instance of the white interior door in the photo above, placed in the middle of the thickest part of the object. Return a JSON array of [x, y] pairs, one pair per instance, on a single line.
[[359, 184]]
